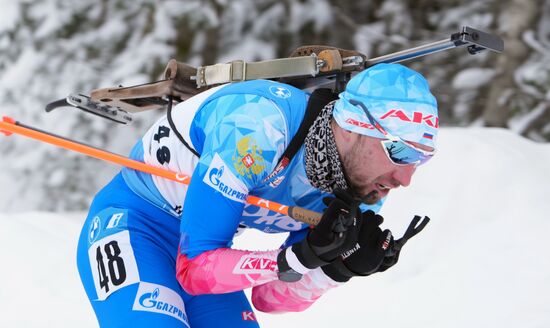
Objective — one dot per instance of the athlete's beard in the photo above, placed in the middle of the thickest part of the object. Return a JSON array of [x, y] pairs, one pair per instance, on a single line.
[[371, 198], [351, 163]]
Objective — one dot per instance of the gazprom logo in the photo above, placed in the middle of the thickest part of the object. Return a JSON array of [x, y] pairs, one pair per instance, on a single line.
[[215, 175], [159, 299], [148, 300], [223, 180], [280, 92]]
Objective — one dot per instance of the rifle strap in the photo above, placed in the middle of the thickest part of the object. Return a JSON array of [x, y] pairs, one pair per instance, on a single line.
[[239, 70], [173, 127]]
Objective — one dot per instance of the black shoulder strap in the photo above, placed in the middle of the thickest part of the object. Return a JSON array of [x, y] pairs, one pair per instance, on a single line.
[[318, 99], [173, 127]]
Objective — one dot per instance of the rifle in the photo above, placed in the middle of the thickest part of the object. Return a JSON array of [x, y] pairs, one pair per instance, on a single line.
[[308, 67]]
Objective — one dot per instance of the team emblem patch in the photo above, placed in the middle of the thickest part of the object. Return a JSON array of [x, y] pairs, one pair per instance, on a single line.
[[248, 160]]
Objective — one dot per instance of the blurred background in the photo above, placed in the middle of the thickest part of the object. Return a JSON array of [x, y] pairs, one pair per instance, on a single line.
[[50, 48]]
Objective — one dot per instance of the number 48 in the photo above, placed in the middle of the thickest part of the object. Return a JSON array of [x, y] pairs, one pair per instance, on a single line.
[[115, 264]]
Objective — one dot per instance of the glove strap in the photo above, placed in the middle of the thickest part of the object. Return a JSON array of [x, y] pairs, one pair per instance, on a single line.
[[306, 255], [339, 272], [286, 272]]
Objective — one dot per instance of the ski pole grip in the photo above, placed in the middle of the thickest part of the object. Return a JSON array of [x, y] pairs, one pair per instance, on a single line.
[[304, 215]]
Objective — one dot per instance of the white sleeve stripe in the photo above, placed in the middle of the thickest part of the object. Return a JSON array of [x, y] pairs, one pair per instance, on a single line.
[[294, 263]]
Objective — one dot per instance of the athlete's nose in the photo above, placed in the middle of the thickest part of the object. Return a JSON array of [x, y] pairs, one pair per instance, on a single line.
[[403, 174]]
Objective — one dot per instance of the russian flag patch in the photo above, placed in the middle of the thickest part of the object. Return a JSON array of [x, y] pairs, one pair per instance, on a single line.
[[428, 136]]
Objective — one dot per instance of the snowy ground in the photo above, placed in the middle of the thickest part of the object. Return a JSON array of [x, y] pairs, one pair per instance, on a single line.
[[483, 261]]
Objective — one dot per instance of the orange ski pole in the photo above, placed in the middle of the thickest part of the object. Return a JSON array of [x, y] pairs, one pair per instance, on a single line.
[[9, 126]]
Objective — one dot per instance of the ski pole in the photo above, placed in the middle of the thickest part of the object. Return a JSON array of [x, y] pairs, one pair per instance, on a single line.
[[9, 126]]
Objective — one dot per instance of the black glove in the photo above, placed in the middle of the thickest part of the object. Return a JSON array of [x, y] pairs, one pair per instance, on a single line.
[[376, 250], [336, 232]]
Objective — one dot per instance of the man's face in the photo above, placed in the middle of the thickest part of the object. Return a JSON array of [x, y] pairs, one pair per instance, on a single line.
[[370, 172]]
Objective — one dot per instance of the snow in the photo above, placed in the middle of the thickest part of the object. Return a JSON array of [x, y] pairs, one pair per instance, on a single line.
[[39, 275], [520, 124], [481, 262], [473, 78], [8, 15], [24, 66]]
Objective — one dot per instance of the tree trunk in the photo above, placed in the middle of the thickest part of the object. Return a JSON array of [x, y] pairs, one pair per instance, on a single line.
[[516, 16]]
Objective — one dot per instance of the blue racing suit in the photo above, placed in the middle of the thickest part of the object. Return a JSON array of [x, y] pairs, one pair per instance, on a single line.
[[142, 229]]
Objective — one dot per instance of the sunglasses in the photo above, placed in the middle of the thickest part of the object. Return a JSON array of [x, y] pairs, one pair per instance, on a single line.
[[399, 151]]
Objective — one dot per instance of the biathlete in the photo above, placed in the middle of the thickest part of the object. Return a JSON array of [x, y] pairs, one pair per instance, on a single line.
[[153, 252]]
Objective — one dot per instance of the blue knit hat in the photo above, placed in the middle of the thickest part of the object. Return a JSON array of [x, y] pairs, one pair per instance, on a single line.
[[397, 97]]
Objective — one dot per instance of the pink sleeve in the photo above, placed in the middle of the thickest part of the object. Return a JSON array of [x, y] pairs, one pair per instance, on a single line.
[[279, 296], [225, 270]]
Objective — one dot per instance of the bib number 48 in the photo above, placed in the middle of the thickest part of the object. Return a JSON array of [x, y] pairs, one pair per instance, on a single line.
[[113, 264], [116, 273]]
